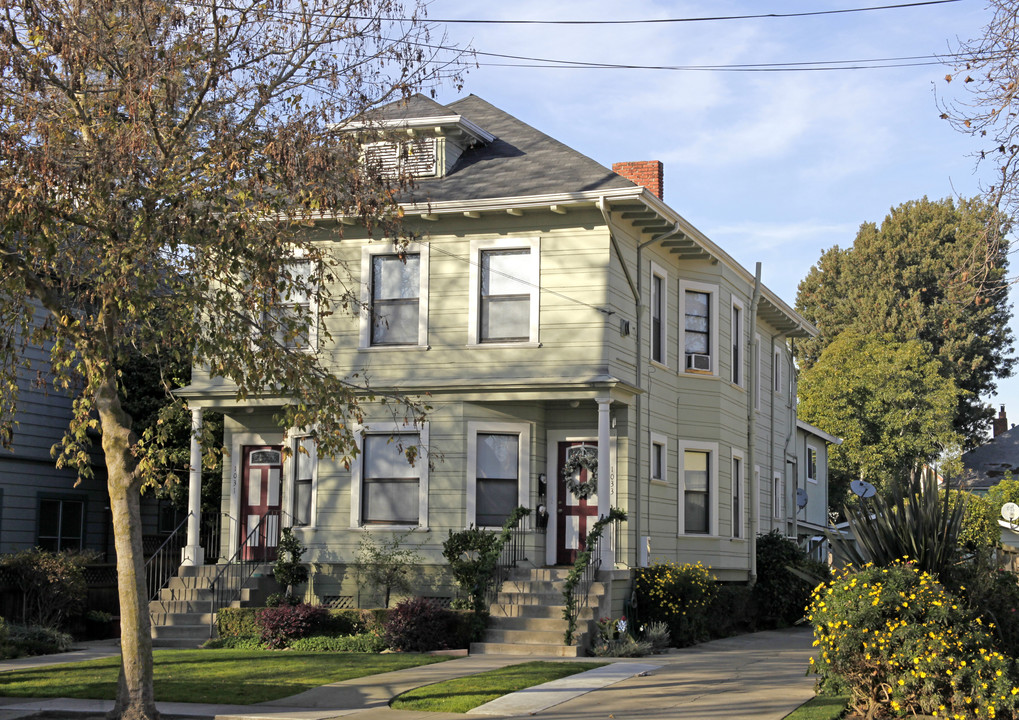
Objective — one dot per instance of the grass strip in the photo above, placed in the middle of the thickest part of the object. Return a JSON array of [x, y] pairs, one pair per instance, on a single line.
[[232, 677], [822, 707], [463, 694]]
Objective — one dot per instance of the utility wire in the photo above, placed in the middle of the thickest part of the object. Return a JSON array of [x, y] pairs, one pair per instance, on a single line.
[[452, 21]]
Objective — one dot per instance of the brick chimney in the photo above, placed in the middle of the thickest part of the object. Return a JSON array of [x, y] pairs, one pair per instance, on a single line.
[[646, 173], [1000, 422]]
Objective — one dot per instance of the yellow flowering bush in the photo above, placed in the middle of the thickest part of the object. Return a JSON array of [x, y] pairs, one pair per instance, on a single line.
[[678, 595], [904, 645]]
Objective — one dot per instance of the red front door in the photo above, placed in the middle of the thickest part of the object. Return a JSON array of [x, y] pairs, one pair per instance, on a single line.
[[574, 515], [262, 469]]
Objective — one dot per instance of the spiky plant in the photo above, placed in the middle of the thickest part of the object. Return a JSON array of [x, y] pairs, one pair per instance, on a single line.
[[912, 519]]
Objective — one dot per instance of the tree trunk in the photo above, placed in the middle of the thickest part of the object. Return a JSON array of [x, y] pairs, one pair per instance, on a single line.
[[135, 698]]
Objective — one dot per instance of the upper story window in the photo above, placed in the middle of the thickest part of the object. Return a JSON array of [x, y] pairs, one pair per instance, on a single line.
[[658, 461], [700, 331], [758, 372], [504, 299], [294, 318], [394, 295], [396, 298], [737, 343], [659, 293], [416, 158], [811, 465], [776, 370]]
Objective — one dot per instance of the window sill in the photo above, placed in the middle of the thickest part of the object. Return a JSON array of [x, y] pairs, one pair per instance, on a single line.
[[812, 481], [660, 483], [393, 528], [737, 386], [393, 348], [739, 540], [701, 374], [520, 344], [702, 536], [659, 364]]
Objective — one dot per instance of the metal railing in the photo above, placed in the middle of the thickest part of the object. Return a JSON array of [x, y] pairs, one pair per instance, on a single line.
[[232, 577], [164, 562], [512, 552], [583, 589]]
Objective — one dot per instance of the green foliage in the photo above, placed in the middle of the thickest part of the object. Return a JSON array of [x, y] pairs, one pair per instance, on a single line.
[[980, 533], [239, 642], [657, 633], [280, 625], [469, 553], [780, 595], [679, 596], [52, 584], [886, 399], [584, 558], [903, 644], [613, 638], [237, 622], [994, 595], [1007, 490], [733, 610], [363, 643], [384, 564], [31, 640], [288, 570], [911, 520], [932, 273], [418, 625]]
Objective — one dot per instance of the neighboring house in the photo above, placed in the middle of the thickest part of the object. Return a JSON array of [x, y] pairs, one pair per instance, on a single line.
[[992, 462], [552, 309]]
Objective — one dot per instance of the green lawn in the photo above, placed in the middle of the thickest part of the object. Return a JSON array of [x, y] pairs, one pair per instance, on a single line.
[[462, 694], [233, 677], [822, 707]]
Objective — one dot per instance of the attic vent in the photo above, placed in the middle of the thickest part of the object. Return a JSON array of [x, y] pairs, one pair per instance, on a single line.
[[410, 157]]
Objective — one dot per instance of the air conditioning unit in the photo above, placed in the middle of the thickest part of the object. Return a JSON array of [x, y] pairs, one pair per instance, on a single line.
[[698, 362]]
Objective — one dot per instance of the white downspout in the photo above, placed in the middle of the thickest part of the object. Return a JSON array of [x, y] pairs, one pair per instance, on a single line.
[[752, 381]]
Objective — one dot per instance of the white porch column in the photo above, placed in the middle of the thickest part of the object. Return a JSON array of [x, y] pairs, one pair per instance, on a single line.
[[604, 476], [192, 553]]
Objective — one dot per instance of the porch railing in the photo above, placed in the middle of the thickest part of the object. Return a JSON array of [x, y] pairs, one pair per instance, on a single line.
[[165, 561], [232, 577], [513, 550]]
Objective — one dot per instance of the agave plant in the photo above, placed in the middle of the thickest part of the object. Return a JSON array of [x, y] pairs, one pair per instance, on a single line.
[[912, 519]]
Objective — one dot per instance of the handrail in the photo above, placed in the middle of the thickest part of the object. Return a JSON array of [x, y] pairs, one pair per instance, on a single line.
[[161, 566], [585, 568], [230, 580], [512, 550]]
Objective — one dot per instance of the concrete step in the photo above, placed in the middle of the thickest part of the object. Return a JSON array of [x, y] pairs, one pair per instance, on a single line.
[[181, 632], [177, 643], [167, 619], [545, 586], [524, 637], [180, 606], [550, 650], [189, 583], [541, 574], [536, 611], [551, 599], [527, 623], [184, 595]]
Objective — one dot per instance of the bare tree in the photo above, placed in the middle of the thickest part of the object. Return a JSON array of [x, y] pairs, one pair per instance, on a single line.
[[160, 163]]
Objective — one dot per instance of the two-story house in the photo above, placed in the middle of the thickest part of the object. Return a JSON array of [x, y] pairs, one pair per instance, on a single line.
[[554, 310]]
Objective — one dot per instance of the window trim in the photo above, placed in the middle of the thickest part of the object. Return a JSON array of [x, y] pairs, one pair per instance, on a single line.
[[738, 482], [662, 298], [712, 292], [759, 370], [523, 433], [712, 449], [532, 244], [736, 336], [653, 440], [811, 449], [368, 252], [357, 472], [778, 362], [290, 466], [62, 498], [778, 492]]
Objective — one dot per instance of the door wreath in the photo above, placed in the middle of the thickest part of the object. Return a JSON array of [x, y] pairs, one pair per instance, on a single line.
[[586, 459]]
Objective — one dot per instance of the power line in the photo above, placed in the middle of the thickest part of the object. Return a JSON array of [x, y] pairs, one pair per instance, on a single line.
[[759, 16]]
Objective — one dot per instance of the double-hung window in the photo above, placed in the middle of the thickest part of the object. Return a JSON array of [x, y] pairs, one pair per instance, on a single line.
[[699, 341], [737, 343], [658, 462], [504, 297], [777, 371], [305, 462], [811, 465], [659, 293], [394, 296], [390, 489], [61, 524], [498, 463], [778, 496], [294, 317], [698, 492], [737, 495], [396, 299]]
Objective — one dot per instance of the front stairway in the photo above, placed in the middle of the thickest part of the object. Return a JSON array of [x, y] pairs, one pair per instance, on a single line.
[[527, 616], [182, 616]]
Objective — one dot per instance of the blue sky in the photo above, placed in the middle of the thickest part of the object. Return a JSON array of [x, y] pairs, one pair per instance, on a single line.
[[775, 167]]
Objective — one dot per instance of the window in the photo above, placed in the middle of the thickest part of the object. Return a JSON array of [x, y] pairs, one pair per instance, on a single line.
[[657, 462], [394, 296], [294, 319], [696, 492], [659, 293], [504, 300], [758, 371], [737, 495], [498, 465], [305, 462], [811, 465], [699, 340], [390, 486], [777, 371], [737, 343], [61, 524], [778, 497]]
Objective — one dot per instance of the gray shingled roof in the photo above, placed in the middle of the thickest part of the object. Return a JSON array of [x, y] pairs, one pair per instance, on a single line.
[[992, 462], [520, 162]]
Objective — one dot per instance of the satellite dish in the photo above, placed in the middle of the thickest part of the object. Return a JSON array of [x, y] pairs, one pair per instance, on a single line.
[[1010, 511], [863, 488], [801, 498]]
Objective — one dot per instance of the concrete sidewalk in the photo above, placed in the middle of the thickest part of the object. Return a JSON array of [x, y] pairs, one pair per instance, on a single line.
[[760, 676]]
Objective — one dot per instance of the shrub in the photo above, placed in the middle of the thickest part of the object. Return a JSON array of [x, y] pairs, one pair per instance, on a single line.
[[613, 639], [471, 555], [903, 644], [780, 594], [52, 583], [657, 634], [994, 595], [281, 598], [362, 643], [249, 642], [733, 610], [26, 640], [288, 570], [384, 565], [678, 595], [418, 625], [282, 624], [238, 622]]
